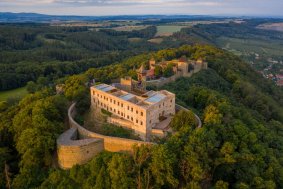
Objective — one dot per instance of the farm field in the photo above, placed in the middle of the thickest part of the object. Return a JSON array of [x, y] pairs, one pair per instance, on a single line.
[[167, 30], [251, 45], [15, 94], [156, 40], [272, 26], [134, 39], [129, 28]]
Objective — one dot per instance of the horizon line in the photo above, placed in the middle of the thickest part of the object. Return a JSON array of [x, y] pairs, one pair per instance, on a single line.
[[175, 14]]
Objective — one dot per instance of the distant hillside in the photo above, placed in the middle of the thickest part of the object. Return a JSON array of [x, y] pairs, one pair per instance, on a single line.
[[8, 17]]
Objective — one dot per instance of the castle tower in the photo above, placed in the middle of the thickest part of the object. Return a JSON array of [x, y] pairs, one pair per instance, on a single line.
[[183, 65], [152, 63], [141, 73], [199, 65]]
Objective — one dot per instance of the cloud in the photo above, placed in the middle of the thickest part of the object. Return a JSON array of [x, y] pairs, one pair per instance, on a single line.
[[137, 2], [110, 7], [112, 2]]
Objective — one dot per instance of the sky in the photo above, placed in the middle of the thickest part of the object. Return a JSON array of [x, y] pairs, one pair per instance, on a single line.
[[129, 7]]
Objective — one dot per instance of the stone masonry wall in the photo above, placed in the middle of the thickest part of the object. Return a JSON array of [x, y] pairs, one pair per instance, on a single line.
[[78, 145], [72, 151]]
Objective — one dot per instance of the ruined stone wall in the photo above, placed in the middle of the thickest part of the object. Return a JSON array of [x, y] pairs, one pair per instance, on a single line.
[[184, 67], [160, 83]]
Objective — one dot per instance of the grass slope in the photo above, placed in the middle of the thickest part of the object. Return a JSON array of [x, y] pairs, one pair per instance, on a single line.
[[13, 94]]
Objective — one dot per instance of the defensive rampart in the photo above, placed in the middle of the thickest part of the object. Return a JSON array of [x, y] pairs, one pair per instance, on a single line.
[[179, 107], [72, 150], [78, 145]]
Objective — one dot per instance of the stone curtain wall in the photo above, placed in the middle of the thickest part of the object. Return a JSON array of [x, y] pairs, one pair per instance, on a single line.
[[179, 107], [71, 150], [79, 145]]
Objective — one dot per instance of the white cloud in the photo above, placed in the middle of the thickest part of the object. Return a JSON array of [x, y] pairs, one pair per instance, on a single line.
[[110, 7], [112, 2]]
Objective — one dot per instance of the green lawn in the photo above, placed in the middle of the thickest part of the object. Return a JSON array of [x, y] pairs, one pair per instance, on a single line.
[[14, 93]]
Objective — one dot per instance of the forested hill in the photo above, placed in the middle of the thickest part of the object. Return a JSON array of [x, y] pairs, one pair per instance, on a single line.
[[239, 146], [30, 51]]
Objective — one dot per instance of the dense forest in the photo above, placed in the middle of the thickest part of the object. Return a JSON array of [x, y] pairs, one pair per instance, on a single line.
[[30, 51], [240, 144]]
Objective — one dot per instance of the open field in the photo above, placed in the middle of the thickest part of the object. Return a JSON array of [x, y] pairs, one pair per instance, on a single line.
[[15, 93], [272, 26], [129, 28], [251, 45], [156, 40], [167, 30], [134, 39]]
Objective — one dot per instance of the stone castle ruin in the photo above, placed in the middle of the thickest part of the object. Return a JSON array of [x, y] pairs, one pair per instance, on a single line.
[[178, 68]]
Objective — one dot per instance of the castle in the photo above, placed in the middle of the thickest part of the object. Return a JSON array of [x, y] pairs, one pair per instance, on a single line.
[[130, 105], [133, 108], [178, 68]]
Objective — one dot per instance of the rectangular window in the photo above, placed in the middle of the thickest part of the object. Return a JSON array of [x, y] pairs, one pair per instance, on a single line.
[[132, 119], [141, 122], [119, 112], [122, 105], [118, 103], [137, 111], [141, 113], [132, 109], [114, 101], [137, 121], [128, 117], [128, 108]]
